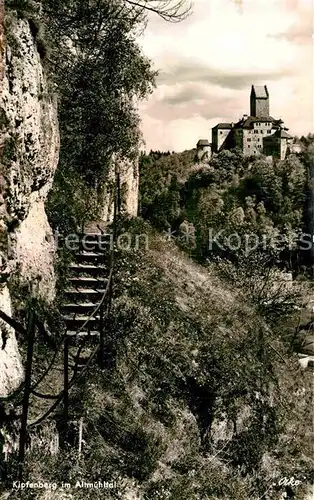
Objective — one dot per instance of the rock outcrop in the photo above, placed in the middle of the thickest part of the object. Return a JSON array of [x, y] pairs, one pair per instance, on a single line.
[[126, 174], [11, 371], [29, 148]]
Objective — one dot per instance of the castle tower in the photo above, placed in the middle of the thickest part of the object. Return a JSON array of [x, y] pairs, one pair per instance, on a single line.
[[259, 101], [203, 149]]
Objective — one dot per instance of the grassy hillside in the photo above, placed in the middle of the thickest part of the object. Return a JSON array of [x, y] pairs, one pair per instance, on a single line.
[[200, 398]]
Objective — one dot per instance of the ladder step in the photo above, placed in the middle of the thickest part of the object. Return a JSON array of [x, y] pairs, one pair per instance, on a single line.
[[87, 281], [80, 296], [80, 317], [96, 235], [76, 320], [87, 284], [83, 279], [81, 304], [85, 291], [88, 270], [77, 292], [91, 238], [72, 333], [87, 267], [91, 257], [80, 307], [86, 253]]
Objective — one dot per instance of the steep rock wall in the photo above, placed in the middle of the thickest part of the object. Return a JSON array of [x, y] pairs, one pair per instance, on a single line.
[[128, 179], [29, 148], [130, 187]]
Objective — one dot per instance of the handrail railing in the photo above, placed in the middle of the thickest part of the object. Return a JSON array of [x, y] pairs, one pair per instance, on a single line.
[[68, 384]]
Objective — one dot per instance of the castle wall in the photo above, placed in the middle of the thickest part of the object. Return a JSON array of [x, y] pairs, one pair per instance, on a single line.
[[203, 152], [219, 137], [271, 147], [253, 138], [238, 138], [214, 140], [276, 147]]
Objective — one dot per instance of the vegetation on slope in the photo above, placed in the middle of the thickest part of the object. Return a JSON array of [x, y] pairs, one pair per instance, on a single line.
[[200, 397], [232, 193]]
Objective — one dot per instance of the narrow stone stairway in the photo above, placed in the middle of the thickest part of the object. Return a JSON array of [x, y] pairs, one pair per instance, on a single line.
[[87, 283]]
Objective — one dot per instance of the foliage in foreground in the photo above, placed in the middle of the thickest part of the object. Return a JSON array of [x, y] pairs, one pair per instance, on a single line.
[[200, 397]]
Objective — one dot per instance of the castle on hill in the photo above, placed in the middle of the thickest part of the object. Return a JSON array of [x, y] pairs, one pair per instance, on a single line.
[[258, 133]]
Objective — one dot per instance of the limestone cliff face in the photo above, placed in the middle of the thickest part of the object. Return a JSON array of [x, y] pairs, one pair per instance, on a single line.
[[11, 370], [126, 172], [29, 148], [130, 187]]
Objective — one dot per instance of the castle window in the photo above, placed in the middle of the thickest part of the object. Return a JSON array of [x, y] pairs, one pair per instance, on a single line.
[[268, 131], [262, 131], [249, 139], [255, 131], [249, 146]]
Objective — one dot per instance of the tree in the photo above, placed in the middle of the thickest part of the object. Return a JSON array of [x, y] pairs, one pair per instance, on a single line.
[[72, 12], [100, 73]]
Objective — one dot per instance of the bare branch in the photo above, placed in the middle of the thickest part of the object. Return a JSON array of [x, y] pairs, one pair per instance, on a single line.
[[172, 11]]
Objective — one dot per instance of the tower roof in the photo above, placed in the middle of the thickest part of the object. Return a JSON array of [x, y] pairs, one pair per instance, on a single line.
[[203, 142], [250, 120], [223, 125], [283, 134], [260, 91]]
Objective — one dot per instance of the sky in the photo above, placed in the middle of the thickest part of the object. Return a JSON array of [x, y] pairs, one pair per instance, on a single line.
[[208, 62]]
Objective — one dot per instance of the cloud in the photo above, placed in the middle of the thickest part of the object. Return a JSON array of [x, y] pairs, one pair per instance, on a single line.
[[195, 71], [302, 29], [185, 101], [208, 63], [299, 34], [188, 94], [177, 135]]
